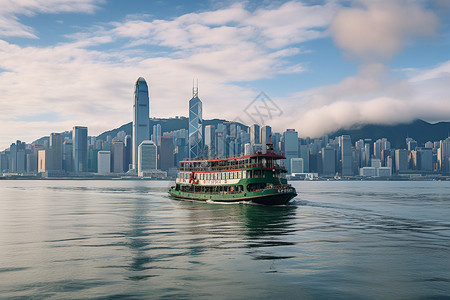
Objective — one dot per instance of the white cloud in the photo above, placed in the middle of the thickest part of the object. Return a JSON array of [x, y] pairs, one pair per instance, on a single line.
[[380, 29], [82, 86], [373, 31], [10, 9], [441, 71], [370, 97]]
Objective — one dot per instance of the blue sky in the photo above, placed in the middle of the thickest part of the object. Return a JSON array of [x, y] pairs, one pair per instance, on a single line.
[[326, 64]]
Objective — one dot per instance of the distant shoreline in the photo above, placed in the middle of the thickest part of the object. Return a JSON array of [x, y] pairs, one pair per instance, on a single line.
[[396, 178]]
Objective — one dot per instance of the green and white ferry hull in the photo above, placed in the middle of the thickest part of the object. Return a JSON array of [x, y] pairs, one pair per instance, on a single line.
[[265, 197]]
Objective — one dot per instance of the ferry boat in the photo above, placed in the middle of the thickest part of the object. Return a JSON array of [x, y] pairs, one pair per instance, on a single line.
[[256, 178]]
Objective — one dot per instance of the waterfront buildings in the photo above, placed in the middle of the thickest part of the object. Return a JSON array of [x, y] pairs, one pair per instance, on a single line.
[[67, 152], [141, 111]]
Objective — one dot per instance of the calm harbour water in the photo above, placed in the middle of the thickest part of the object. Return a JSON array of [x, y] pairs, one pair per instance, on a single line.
[[128, 240]]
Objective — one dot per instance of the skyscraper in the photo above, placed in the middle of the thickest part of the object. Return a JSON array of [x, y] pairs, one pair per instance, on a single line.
[[255, 134], [56, 142], [128, 152], [104, 162], [67, 156], [328, 161], [266, 132], [156, 136], [80, 148], [210, 141], [221, 143], [195, 126], [166, 153], [290, 147], [303, 152], [345, 144], [117, 157], [147, 157], [141, 111]]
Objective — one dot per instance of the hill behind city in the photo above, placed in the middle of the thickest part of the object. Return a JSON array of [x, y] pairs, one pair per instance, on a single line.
[[419, 130]]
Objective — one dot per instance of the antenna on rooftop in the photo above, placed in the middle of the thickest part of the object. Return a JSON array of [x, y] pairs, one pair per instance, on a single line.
[[194, 89]]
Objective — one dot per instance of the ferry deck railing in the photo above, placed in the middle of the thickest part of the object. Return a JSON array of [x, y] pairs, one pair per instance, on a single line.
[[231, 167]]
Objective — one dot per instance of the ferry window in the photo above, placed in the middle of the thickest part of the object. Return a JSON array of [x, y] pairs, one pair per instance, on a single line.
[[226, 175], [215, 176], [238, 175], [244, 173]]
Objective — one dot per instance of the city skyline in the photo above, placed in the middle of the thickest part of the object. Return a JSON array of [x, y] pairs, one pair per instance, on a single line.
[[326, 64]]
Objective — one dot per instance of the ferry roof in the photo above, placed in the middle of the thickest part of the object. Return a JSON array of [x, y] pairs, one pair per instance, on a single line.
[[268, 155]]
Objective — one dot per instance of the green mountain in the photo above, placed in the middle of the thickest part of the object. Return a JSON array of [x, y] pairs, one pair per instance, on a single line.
[[419, 130]]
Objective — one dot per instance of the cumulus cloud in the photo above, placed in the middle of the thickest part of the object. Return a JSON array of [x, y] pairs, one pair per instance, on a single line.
[[380, 29], [79, 85], [274, 27]]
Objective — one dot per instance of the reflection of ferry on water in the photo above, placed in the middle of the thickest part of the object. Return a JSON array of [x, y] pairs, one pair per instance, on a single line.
[[258, 178]]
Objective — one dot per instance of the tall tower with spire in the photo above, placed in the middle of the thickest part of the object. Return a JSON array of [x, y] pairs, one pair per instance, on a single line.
[[195, 125], [141, 111]]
